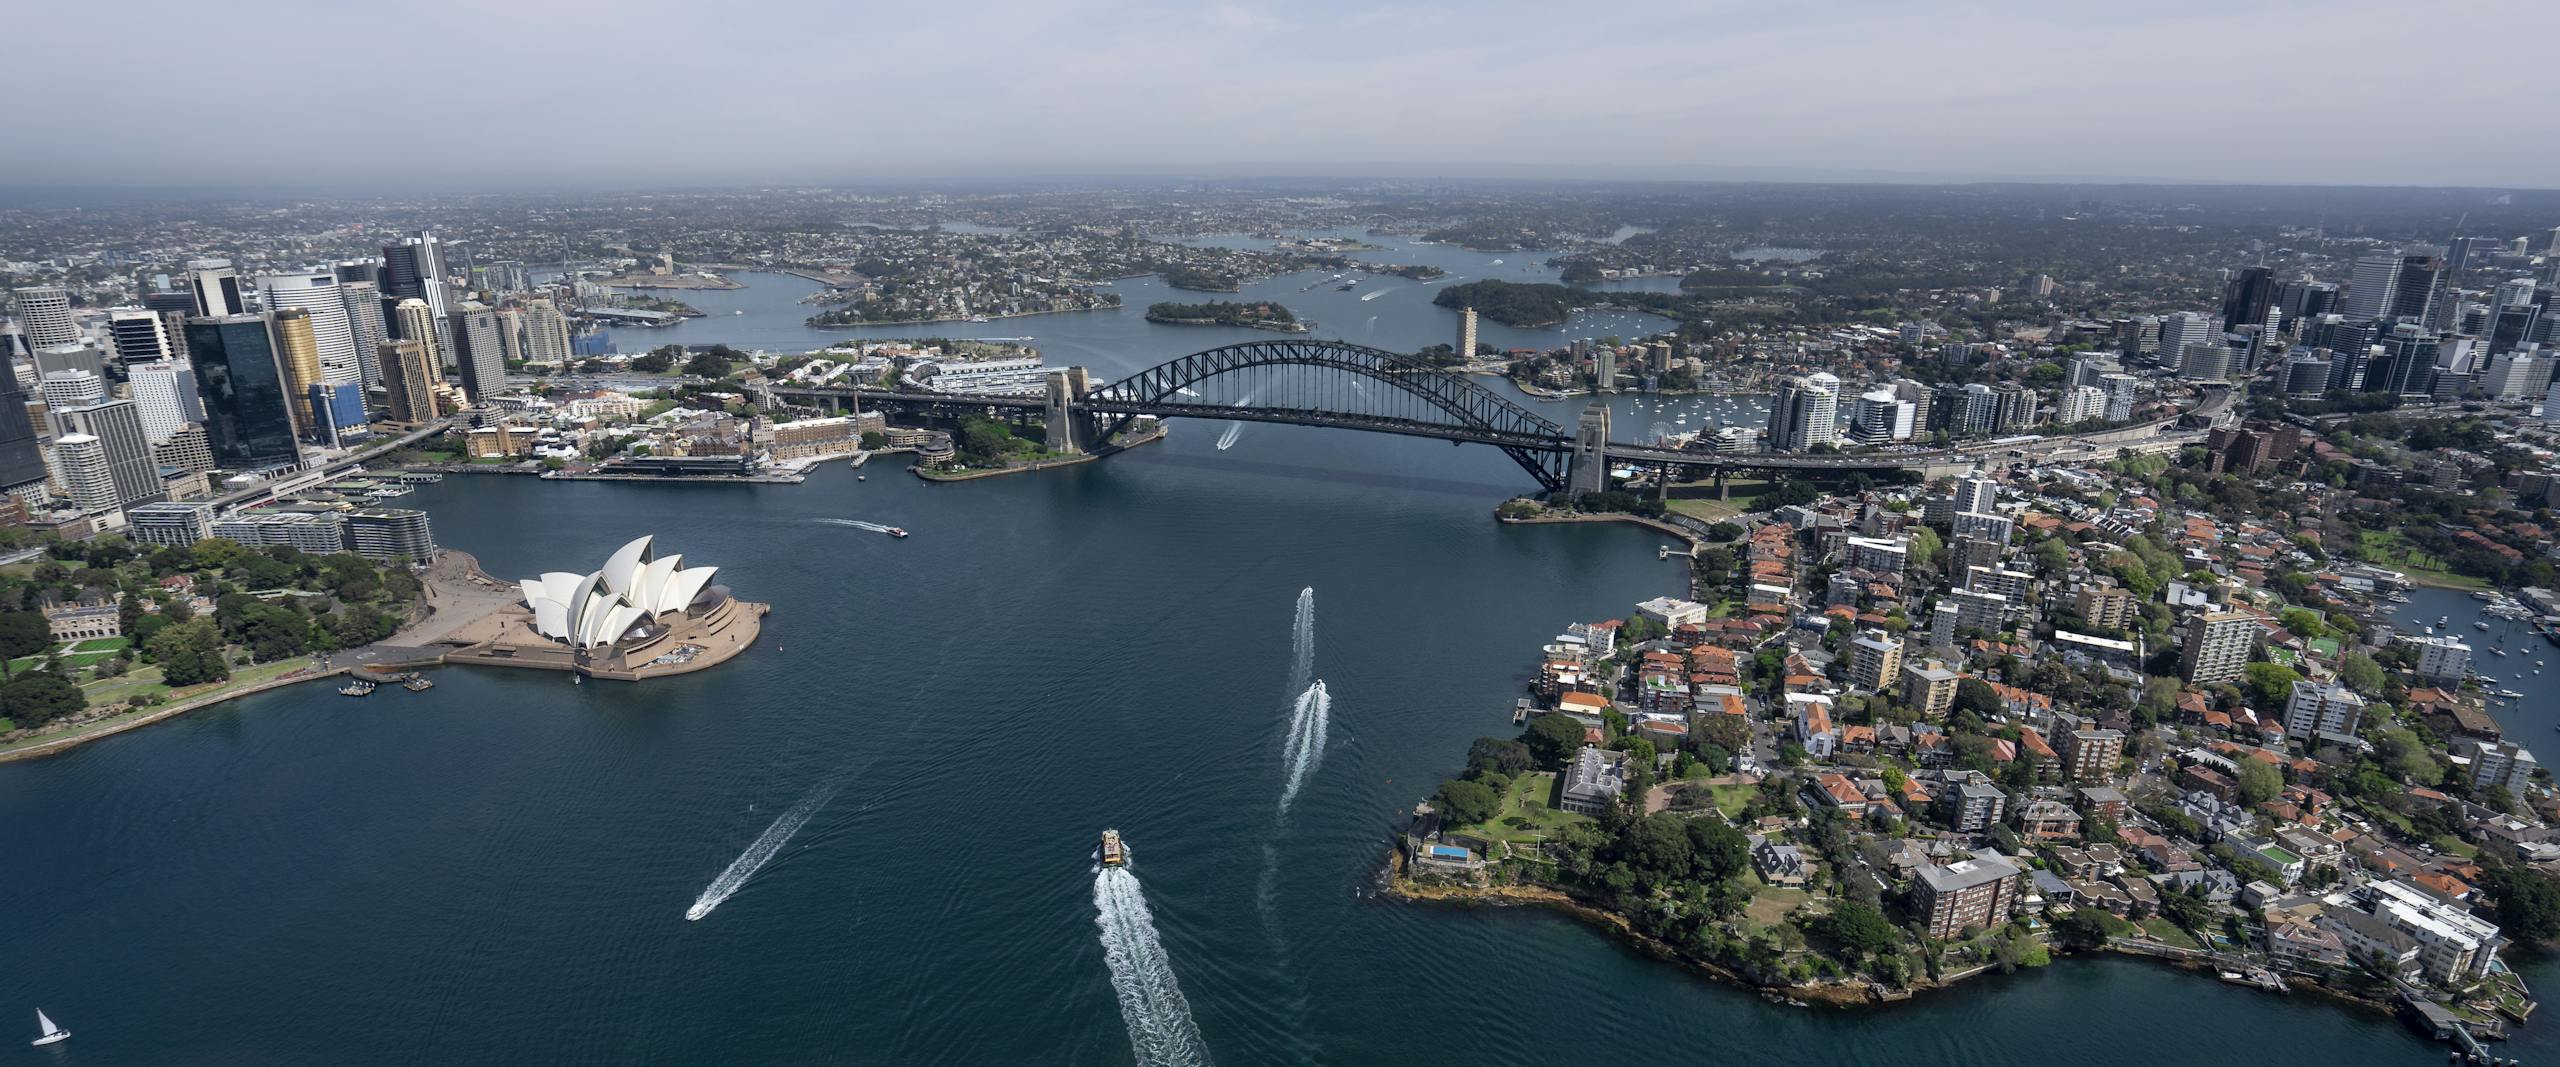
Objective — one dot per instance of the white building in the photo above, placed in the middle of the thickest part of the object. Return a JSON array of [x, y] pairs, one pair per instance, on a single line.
[[2503, 764], [2453, 944], [2322, 708], [165, 393], [2079, 403], [2441, 658], [81, 462], [1672, 612]]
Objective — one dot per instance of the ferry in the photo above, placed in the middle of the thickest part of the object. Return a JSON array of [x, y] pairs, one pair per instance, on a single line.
[[895, 532], [1113, 853]]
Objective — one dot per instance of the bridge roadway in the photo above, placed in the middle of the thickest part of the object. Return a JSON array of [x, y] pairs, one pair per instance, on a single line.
[[2153, 436]]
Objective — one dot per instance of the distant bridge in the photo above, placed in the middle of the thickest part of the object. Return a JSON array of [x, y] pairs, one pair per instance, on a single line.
[[1355, 387]]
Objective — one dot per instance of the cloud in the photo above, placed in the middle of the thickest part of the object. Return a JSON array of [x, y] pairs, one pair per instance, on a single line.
[[476, 92]]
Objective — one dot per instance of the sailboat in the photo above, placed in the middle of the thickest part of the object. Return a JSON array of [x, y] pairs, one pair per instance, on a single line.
[[51, 1032]]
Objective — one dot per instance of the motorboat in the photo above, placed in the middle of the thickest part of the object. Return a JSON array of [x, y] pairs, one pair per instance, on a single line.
[[1113, 853], [895, 532]]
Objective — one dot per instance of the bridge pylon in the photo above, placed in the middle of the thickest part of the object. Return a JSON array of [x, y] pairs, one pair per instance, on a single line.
[[1064, 416], [1587, 469]]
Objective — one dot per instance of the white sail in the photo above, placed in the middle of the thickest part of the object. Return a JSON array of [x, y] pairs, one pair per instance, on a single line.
[[44, 1026]]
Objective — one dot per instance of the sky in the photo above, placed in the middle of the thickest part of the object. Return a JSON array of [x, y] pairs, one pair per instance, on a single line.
[[468, 94]]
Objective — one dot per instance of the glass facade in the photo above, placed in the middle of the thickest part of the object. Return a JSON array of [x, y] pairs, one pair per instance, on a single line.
[[247, 420]]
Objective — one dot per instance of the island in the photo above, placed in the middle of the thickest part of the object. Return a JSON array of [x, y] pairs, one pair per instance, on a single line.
[[1253, 314], [1520, 305]]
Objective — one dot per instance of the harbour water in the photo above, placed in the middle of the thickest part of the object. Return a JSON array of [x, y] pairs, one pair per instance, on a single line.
[[500, 869]]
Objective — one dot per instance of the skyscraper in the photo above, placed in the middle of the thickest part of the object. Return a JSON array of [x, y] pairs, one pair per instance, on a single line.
[[546, 331], [248, 415], [21, 457], [2371, 288], [366, 323], [2247, 296], [1805, 413], [2217, 646], [140, 335], [215, 288], [331, 331], [298, 357], [2181, 330], [133, 475], [44, 314], [413, 320], [165, 393], [82, 461], [409, 376], [2415, 296], [483, 354], [414, 270], [1466, 333]]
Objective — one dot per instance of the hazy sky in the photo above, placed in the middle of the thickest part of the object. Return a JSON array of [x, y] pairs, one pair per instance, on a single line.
[[492, 93]]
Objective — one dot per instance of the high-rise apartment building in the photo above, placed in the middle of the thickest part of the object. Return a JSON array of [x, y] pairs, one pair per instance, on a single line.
[[365, 322], [70, 389], [21, 455], [1805, 412], [1466, 333], [2217, 646], [249, 419]]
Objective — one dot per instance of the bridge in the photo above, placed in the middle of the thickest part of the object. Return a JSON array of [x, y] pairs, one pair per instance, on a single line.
[[1305, 382]]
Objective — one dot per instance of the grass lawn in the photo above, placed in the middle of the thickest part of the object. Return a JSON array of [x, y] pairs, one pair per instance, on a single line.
[[1772, 904], [2167, 933], [2387, 548], [1731, 799], [1530, 799]]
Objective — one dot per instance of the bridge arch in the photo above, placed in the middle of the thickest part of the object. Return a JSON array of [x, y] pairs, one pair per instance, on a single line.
[[1427, 401]]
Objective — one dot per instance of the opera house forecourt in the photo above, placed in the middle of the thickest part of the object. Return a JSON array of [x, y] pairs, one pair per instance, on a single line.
[[639, 616]]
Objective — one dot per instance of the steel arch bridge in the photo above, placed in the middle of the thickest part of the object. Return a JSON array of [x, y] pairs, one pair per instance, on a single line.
[[1268, 381]]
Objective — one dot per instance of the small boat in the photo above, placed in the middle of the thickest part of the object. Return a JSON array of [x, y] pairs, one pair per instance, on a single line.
[[577, 679], [47, 1032], [894, 532], [358, 688], [1114, 854], [2479, 626], [861, 477]]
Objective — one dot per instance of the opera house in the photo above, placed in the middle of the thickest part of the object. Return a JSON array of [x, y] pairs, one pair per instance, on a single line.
[[639, 616]]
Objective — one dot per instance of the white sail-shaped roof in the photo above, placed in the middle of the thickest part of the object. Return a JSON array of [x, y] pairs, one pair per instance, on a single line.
[[593, 610]]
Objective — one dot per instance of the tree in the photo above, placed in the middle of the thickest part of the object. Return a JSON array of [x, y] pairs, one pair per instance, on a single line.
[[2361, 674], [39, 697], [191, 653], [2270, 685], [1976, 696], [22, 633], [1493, 755], [1465, 803], [708, 365], [2082, 929], [874, 440], [1857, 928], [1553, 738], [2528, 904], [2259, 781]]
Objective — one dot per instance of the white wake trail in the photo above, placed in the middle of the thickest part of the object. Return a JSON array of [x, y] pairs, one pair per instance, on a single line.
[[857, 524], [1227, 440], [766, 846], [1161, 1031], [1304, 749]]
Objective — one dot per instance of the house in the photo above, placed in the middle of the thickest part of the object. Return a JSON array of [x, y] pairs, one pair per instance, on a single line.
[[1593, 781], [1778, 864], [1836, 790], [1810, 717], [2048, 820]]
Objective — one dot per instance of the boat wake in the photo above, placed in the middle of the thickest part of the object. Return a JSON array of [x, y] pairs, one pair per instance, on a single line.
[[767, 845], [1227, 440], [1161, 1030], [857, 524], [1374, 294], [1304, 749]]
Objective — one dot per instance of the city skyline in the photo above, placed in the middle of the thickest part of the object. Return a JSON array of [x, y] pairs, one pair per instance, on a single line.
[[782, 92]]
